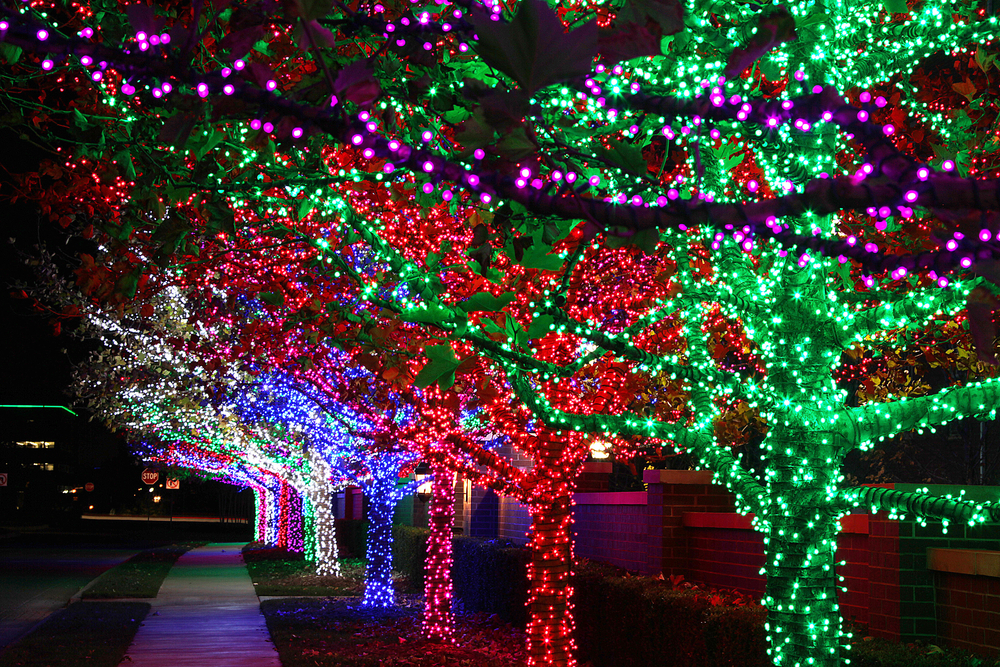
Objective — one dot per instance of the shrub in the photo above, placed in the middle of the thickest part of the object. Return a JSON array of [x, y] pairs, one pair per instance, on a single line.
[[491, 576], [876, 652], [352, 538], [409, 549]]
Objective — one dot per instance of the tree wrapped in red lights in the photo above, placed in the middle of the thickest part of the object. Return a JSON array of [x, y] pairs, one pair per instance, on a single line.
[[466, 187]]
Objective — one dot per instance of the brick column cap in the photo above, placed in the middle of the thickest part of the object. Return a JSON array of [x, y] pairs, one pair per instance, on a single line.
[[677, 476]]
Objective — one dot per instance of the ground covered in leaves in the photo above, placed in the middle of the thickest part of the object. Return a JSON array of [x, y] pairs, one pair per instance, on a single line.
[[338, 632], [277, 571]]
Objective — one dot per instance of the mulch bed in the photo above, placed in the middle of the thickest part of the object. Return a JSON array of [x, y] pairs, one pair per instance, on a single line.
[[329, 632]]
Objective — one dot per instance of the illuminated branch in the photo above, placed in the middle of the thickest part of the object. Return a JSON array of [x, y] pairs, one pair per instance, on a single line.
[[914, 309], [922, 505], [861, 425], [502, 476], [719, 459]]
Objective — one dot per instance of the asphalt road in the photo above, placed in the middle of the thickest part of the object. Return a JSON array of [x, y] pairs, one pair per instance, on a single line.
[[37, 579]]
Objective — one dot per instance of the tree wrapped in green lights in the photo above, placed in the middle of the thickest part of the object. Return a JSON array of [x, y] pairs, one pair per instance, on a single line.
[[487, 166]]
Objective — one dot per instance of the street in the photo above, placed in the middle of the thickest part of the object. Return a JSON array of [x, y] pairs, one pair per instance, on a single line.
[[37, 579]]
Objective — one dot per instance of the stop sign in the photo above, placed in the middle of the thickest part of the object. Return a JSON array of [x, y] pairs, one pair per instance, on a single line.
[[89, 486], [150, 476]]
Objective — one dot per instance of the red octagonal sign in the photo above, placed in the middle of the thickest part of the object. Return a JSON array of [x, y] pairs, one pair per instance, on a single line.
[[150, 476]]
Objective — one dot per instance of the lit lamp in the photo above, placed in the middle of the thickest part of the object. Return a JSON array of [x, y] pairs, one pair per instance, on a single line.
[[424, 481]]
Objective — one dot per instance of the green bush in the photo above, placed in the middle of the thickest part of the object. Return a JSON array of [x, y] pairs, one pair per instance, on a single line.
[[631, 621], [352, 537], [736, 636], [876, 652], [409, 549], [491, 576]]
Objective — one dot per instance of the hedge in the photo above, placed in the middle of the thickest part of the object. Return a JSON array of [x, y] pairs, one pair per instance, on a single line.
[[627, 620], [352, 538]]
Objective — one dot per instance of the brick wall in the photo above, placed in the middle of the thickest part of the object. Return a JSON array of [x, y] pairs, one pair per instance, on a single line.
[[852, 547], [967, 597], [594, 478], [612, 528], [724, 552], [687, 527], [917, 613], [883, 576], [514, 520], [484, 513], [968, 612], [670, 494]]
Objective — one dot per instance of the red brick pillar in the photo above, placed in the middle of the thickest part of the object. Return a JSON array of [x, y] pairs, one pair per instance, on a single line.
[[670, 493], [883, 576], [596, 477]]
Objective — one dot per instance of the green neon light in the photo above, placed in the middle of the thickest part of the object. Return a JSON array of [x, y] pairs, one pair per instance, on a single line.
[[60, 407]]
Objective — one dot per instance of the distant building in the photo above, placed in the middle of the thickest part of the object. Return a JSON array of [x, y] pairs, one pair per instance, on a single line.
[[48, 455]]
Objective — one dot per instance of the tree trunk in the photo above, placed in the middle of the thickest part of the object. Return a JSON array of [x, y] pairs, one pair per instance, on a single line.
[[292, 508], [284, 518], [323, 541], [378, 572], [439, 621], [260, 519], [800, 549], [322, 547], [550, 606]]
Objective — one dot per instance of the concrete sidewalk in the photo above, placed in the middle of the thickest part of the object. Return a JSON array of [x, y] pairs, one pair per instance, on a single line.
[[206, 614]]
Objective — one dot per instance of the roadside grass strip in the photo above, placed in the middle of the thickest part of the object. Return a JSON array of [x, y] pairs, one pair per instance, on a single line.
[[138, 577], [91, 634]]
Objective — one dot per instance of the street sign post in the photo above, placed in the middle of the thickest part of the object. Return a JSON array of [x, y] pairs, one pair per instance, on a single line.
[[150, 476]]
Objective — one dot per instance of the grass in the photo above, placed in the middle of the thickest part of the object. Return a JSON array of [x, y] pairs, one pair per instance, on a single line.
[[95, 634], [281, 572], [140, 576], [311, 632]]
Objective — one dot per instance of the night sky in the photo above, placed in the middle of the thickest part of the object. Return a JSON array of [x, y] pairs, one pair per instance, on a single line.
[[35, 365]]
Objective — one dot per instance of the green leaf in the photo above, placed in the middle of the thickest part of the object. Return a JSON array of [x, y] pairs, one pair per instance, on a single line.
[[644, 239], [534, 48], [11, 54], [211, 141], [128, 284], [540, 326], [273, 298], [305, 206], [441, 367], [895, 6], [80, 120], [124, 159], [537, 257], [309, 10], [625, 155], [432, 315], [516, 145], [486, 301], [812, 19], [456, 115], [491, 326], [770, 68]]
